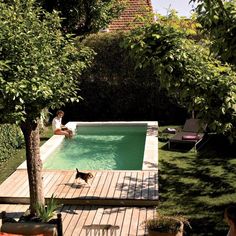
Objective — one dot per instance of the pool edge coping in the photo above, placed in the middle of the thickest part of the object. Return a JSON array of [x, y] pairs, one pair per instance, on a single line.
[[150, 158]]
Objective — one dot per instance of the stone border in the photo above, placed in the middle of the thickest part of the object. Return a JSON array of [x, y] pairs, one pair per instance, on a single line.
[[150, 159]]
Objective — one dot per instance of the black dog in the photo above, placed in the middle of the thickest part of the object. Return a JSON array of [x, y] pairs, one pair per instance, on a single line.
[[83, 176]]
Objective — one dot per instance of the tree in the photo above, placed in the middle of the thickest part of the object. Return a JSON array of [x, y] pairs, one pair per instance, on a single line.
[[184, 68], [218, 20], [188, 25], [84, 16], [38, 69]]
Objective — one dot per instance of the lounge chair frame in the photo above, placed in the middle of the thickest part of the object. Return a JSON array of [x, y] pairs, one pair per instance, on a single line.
[[192, 127]]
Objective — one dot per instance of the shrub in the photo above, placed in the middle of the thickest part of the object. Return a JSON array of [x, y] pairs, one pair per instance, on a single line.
[[113, 89], [11, 138]]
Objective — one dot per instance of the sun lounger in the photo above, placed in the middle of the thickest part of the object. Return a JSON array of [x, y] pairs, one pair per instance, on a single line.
[[192, 133]]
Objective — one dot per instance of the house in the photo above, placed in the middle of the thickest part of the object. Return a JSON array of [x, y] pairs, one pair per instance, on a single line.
[[127, 19]]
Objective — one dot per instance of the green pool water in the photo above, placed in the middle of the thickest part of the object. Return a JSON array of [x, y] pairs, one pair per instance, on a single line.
[[101, 148]]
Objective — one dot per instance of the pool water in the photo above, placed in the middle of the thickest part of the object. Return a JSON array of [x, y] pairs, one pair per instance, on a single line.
[[101, 147]]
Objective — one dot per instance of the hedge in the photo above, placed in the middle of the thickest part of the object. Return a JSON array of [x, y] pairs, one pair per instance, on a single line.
[[11, 138], [113, 89]]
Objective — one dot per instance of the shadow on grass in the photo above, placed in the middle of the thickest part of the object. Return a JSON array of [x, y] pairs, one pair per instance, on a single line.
[[184, 148], [199, 186]]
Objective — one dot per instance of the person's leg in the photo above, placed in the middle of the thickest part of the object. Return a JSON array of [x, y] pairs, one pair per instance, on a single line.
[[61, 132], [70, 133]]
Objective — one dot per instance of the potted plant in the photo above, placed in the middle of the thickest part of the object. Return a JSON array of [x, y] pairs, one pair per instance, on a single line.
[[162, 225], [43, 222], [46, 213]]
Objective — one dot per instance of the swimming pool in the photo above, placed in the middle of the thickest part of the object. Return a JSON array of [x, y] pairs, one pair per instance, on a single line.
[[103, 146]]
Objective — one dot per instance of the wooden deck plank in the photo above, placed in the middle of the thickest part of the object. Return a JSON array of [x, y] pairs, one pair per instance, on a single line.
[[119, 185], [98, 216], [70, 219], [54, 186], [57, 187], [151, 212], [90, 217], [107, 184], [67, 185], [145, 183], [69, 212], [49, 184], [139, 183], [60, 190], [23, 189], [132, 188], [125, 186], [152, 186], [79, 227], [156, 189], [135, 221], [47, 181], [75, 220], [58, 184], [105, 216], [113, 215], [101, 184], [12, 184], [126, 221], [5, 186], [142, 218], [120, 219], [66, 209], [115, 177]]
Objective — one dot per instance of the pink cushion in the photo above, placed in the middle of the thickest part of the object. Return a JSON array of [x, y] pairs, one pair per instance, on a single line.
[[190, 137]]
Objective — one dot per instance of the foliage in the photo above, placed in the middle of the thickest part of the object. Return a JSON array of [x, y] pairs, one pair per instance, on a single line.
[[38, 65], [44, 119], [166, 224], [135, 94], [45, 213], [85, 16], [197, 81], [188, 25], [11, 138], [218, 20]]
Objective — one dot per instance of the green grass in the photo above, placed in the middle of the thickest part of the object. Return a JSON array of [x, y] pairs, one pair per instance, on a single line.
[[198, 185], [9, 166]]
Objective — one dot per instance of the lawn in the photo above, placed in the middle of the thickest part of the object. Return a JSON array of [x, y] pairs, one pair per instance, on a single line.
[[198, 186], [8, 167]]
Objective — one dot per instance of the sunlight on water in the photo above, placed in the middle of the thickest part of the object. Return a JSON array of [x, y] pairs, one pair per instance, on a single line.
[[101, 148]]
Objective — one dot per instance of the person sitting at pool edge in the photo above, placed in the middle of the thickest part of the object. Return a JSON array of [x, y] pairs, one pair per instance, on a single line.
[[58, 128]]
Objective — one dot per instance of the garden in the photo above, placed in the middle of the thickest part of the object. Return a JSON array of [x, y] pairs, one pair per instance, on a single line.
[[167, 71]]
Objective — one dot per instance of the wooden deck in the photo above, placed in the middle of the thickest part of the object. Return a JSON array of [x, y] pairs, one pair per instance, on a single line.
[[128, 219], [124, 199], [120, 188]]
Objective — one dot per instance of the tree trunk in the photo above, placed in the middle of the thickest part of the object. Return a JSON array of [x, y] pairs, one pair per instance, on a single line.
[[30, 130]]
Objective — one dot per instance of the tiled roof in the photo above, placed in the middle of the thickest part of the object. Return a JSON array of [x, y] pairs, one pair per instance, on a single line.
[[133, 8]]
